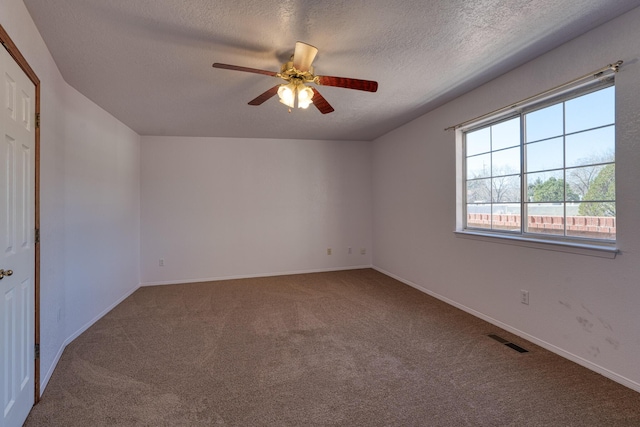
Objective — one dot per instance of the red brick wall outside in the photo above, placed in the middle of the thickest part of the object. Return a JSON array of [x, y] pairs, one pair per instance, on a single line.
[[585, 226]]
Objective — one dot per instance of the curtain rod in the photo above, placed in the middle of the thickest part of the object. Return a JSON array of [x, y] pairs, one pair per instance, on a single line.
[[595, 74]]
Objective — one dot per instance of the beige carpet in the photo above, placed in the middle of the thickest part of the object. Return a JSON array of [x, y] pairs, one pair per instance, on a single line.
[[353, 348]]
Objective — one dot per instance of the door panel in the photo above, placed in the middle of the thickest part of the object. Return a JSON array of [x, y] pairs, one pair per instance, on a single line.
[[17, 216]]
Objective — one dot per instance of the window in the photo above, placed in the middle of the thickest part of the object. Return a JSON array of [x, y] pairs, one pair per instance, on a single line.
[[552, 163]]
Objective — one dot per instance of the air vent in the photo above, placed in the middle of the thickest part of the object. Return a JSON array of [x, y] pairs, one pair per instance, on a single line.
[[508, 344], [516, 347], [499, 339]]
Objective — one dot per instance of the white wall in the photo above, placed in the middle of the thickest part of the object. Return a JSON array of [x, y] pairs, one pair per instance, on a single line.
[[583, 307], [221, 207], [89, 200]]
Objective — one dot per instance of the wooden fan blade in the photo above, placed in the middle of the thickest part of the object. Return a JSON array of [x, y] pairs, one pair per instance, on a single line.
[[303, 56], [245, 69], [265, 96], [346, 82], [321, 103]]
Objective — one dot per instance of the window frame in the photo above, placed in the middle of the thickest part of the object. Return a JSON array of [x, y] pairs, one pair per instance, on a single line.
[[581, 244]]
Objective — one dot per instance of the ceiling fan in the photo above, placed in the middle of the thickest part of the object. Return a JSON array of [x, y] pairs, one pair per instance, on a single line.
[[297, 73]]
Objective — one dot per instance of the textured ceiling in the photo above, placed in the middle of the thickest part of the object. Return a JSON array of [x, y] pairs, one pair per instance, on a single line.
[[148, 62]]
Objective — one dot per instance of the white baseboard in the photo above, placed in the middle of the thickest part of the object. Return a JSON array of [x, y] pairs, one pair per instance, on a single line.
[[251, 276], [45, 380], [552, 348]]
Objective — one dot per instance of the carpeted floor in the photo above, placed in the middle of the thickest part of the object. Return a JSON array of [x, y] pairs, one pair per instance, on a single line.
[[351, 348]]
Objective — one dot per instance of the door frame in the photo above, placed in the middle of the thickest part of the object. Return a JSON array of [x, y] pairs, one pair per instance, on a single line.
[[6, 41]]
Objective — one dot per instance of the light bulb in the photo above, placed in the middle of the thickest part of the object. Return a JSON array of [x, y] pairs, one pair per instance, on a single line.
[[305, 96], [287, 94]]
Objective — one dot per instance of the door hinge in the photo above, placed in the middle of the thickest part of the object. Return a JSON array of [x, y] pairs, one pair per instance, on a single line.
[[37, 235], [36, 351], [37, 120]]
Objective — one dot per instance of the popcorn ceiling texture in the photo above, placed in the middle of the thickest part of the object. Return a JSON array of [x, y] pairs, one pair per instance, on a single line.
[[149, 62]]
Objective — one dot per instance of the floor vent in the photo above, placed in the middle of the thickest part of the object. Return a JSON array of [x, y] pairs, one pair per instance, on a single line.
[[516, 347], [499, 339], [508, 344]]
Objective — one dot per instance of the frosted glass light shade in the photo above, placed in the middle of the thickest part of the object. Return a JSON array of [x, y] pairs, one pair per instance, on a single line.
[[305, 96], [287, 94]]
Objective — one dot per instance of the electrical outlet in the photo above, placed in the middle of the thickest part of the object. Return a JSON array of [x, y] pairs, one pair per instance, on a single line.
[[363, 251], [524, 297], [161, 262], [328, 251]]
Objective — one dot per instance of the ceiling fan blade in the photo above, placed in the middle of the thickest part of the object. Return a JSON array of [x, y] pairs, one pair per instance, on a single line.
[[265, 96], [346, 82], [321, 103], [245, 69], [304, 56]]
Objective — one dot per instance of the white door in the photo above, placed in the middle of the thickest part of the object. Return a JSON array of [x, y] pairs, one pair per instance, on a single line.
[[17, 254]]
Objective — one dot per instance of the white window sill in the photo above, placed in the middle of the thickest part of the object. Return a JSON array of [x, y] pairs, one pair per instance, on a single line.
[[600, 251]]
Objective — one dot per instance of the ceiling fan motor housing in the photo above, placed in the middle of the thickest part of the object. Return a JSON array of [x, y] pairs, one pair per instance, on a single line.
[[289, 72]]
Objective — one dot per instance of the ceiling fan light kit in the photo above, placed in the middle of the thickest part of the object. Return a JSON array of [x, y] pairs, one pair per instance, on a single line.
[[298, 73], [295, 94]]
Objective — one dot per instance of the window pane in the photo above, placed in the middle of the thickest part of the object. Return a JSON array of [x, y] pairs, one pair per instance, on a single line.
[[479, 166], [479, 216], [591, 110], [505, 189], [545, 155], [505, 162], [544, 123], [479, 191], [505, 134], [603, 186], [545, 218], [596, 146], [545, 186], [579, 180], [506, 217], [592, 220], [478, 141]]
